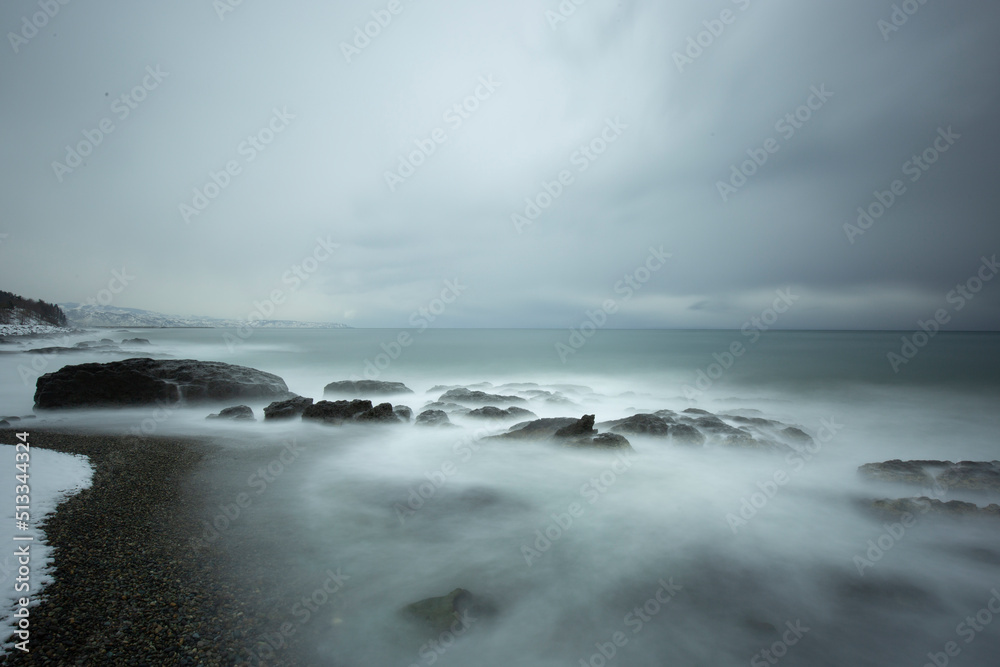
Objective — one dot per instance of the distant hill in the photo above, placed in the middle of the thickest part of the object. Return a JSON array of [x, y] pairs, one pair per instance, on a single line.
[[16, 309], [84, 315]]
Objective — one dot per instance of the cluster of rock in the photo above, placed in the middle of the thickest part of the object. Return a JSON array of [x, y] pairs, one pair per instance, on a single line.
[[103, 345], [939, 477]]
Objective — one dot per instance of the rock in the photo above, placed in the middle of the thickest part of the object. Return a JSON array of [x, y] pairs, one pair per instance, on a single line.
[[380, 413], [11, 419], [686, 434], [135, 341], [490, 412], [641, 424], [904, 472], [135, 382], [971, 476], [453, 408], [796, 435], [894, 509], [365, 388], [403, 412], [4, 422], [697, 411], [288, 409], [433, 418], [610, 441], [459, 607], [239, 413], [539, 429], [336, 412], [463, 395], [581, 428]]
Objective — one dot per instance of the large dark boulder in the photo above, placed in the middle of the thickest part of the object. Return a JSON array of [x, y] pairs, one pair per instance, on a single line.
[[135, 382], [380, 413], [365, 388], [433, 418], [581, 428], [336, 412], [288, 409]]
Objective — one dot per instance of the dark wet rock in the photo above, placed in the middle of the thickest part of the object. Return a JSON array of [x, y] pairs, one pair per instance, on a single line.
[[610, 441], [686, 434], [79, 347], [238, 413], [380, 413], [135, 382], [451, 408], [583, 427], [135, 341], [463, 395], [433, 418], [668, 416], [365, 388], [490, 412], [896, 508], [335, 412], [796, 435], [287, 409], [641, 424], [697, 411], [904, 472], [403, 412], [971, 476], [753, 421], [539, 429], [449, 612]]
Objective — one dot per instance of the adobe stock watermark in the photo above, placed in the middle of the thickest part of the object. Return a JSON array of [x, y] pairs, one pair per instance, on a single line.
[[796, 461], [582, 158], [968, 629], [363, 35], [627, 287], [455, 116], [420, 319], [915, 168], [592, 491], [249, 149], [294, 278], [779, 649], [635, 620], [122, 107], [30, 26], [900, 16], [269, 643], [563, 12], [752, 329], [701, 42], [786, 126], [957, 298]]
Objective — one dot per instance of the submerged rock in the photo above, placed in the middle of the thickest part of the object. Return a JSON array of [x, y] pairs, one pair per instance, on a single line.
[[287, 409], [135, 382], [454, 612], [403, 412], [238, 413], [964, 475], [896, 508], [365, 388]]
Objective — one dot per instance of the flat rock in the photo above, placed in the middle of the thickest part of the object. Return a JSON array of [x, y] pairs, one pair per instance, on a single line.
[[237, 413], [365, 388], [135, 382], [463, 395]]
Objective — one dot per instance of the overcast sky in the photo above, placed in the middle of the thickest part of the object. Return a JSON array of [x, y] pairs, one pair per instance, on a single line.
[[189, 87]]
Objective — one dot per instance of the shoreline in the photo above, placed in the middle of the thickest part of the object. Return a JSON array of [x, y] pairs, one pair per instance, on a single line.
[[127, 588]]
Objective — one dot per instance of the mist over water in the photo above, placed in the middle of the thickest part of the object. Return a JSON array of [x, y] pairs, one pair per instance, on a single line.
[[669, 554]]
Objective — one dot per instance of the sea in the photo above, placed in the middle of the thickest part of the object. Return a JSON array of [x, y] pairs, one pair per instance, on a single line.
[[667, 554]]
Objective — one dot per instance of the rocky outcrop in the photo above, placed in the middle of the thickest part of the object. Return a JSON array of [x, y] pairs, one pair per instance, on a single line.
[[288, 409], [641, 424], [463, 395], [336, 412], [365, 388], [964, 475], [433, 418], [539, 429], [236, 413], [895, 508], [380, 413], [136, 382], [490, 412], [582, 428]]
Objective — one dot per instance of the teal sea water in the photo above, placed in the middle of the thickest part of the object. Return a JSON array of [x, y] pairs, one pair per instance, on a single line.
[[670, 555]]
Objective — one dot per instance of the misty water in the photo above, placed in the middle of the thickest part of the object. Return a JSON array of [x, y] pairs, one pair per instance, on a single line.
[[667, 555]]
